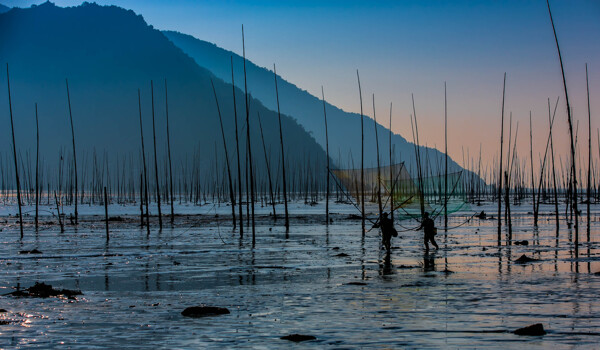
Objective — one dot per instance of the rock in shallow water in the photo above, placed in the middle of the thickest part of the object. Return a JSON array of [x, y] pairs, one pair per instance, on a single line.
[[298, 337], [43, 290], [525, 259], [534, 329], [204, 311]]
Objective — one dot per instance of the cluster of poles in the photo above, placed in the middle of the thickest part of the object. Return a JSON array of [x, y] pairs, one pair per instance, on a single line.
[[509, 179]]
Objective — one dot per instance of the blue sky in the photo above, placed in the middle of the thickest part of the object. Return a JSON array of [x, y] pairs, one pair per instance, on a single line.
[[404, 47]]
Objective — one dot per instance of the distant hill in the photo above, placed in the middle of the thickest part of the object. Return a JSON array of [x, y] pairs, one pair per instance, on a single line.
[[107, 53], [344, 127], [4, 8]]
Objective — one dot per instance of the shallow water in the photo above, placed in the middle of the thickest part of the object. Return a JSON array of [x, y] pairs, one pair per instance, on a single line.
[[135, 286]]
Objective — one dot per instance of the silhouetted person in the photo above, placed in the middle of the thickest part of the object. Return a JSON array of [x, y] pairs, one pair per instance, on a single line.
[[429, 231], [387, 230]]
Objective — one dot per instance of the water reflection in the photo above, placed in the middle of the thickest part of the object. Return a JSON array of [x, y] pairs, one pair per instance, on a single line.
[[428, 261]]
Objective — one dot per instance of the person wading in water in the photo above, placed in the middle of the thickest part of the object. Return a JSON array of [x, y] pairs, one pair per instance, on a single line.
[[387, 230], [429, 231]]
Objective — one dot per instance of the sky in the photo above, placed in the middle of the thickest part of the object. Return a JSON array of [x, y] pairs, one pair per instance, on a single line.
[[404, 48]]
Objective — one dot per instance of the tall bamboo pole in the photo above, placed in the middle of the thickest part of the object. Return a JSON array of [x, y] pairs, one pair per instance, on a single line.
[[362, 159], [446, 159], [74, 153], [237, 146], [555, 190], [287, 220], [500, 164], [535, 213], [37, 163], [145, 168], [231, 192], [262, 137], [589, 174], [378, 164], [169, 154], [392, 177], [249, 142], [155, 157], [327, 153], [12, 128], [573, 165]]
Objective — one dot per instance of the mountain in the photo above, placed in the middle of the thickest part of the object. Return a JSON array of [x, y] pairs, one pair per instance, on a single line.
[[343, 127], [4, 8], [107, 54]]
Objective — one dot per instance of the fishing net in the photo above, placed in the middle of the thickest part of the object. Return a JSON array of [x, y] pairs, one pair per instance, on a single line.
[[407, 195]]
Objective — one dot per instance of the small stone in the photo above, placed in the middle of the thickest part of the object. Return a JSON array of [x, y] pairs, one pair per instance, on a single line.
[[204, 311], [524, 242], [33, 251], [534, 329], [525, 259], [356, 284], [342, 255], [298, 337]]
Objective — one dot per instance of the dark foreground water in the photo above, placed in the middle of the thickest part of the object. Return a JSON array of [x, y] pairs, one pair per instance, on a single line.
[[469, 294]]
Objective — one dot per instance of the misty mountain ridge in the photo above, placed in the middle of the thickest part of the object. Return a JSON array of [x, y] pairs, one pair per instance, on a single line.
[[108, 53], [344, 127]]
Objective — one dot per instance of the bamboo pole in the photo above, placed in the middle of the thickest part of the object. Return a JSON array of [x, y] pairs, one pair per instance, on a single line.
[[589, 174], [155, 157], [573, 165], [169, 154], [74, 153], [392, 177], [145, 168], [500, 164], [378, 164], [362, 159], [327, 154], [262, 136], [535, 213], [446, 159], [249, 142], [37, 163], [12, 127], [106, 213], [237, 146], [231, 192], [287, 220]]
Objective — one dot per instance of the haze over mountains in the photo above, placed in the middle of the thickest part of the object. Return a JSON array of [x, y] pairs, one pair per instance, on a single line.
[[344, 127], [107, 53]]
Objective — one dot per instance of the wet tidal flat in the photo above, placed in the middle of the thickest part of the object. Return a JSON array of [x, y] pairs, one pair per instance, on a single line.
[[324, 281]]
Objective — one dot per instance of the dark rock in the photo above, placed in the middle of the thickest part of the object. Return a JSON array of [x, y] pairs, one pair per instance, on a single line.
[[204, 311], [43, 290], [33, 251], [298, 337], [482, 215], [115, 218], [4, 322], [524, 242], [525, 259], [534, 329], [407, 267], [3, 310], [356, 284], [342, 255], [597, 273]]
